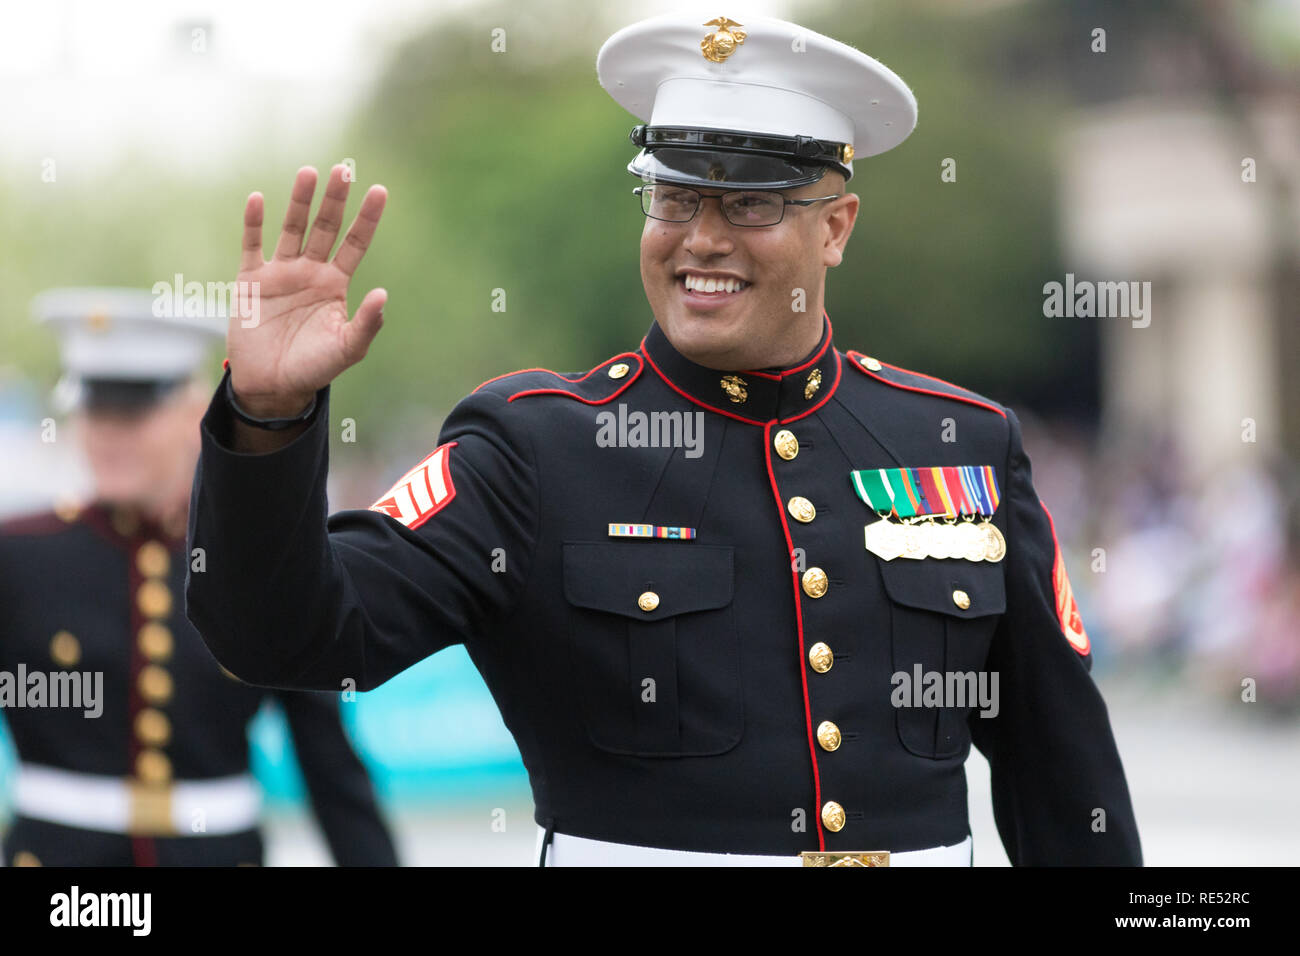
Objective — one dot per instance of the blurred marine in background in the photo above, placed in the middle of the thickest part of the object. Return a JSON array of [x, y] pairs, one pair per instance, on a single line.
[[132, 741]]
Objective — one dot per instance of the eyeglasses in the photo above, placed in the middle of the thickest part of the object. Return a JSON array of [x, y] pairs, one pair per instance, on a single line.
[[746, 207]]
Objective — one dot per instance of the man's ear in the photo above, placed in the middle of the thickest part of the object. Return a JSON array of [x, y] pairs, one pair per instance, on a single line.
[[838, 226]]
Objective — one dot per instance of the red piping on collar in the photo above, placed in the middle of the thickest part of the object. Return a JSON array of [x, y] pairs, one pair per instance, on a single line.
[[754, 421], [39, 523], [825, 398], [830, 334], [854, 356], [692, 398], [97, 516], [798, 618]]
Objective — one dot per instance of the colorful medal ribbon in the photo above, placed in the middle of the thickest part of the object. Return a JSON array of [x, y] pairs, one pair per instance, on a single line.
[[650, 531], [940, 492], [917, 496]]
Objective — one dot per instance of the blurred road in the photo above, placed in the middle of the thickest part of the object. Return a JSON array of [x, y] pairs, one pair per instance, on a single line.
[[1212, 785]]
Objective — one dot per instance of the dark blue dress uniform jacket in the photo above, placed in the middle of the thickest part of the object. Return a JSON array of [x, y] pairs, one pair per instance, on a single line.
[[510, 554], [98, 589]]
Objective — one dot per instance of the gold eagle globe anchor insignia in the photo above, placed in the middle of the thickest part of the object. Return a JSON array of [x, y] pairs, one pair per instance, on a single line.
[[720, 44], [734, 387]]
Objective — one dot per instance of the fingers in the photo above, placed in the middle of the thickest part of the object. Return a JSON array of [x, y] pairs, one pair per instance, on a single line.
[[252, 256], [363, 328], [361, 231], [295, 217], [329, 217]]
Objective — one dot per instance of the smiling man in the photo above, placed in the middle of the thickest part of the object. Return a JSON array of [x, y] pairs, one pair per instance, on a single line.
[[763, 648], [726, 295]]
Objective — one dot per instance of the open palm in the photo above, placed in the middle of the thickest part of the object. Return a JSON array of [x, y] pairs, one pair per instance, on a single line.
[[298, 338]]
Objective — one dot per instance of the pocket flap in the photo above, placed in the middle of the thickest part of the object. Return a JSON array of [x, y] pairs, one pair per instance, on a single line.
[[932, 584], [613, 576]]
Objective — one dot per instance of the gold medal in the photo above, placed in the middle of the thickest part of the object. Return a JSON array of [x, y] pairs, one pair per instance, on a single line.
[[914, 542], [995, 546], [969, 541], [883, 539], [932, 541], [953, 540]]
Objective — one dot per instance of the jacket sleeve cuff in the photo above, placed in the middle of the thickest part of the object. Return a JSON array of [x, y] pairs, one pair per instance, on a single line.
[[219, 421]]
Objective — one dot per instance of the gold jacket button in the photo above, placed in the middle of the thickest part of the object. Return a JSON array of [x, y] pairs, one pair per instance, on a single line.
[[152, 727], [154, 598], [961, 599], [787, 446], [618, 371], [648, 601], [820, 657], [869, 362], [802, 509], [152, 766], [152, 559], [815, 582], [828, 735], [65, 649], [155, 684], [155, 641], [833, 816]]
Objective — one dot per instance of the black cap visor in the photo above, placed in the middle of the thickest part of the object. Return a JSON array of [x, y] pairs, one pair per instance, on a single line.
[[712, 168], [125, 395]]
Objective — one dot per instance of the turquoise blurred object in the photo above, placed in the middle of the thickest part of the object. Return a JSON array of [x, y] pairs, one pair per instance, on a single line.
[[430, 735]]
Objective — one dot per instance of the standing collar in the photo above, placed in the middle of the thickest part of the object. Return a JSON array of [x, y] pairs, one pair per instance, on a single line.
[[124, 524], [755, 397]]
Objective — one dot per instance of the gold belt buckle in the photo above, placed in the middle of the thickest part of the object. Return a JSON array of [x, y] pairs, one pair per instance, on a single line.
[[150, 809], [851, 858]]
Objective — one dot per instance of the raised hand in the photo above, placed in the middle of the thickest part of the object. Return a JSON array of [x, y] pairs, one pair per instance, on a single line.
[[298, 338]]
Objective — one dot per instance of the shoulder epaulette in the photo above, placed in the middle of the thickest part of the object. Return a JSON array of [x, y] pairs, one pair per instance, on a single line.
[[602, 384], [41, 522], [919, 382]]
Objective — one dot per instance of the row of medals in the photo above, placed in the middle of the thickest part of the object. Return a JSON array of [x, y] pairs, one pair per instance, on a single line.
[[917, 539]]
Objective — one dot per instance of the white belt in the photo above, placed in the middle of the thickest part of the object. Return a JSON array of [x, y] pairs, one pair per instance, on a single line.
[[120, 805], [567, 850]]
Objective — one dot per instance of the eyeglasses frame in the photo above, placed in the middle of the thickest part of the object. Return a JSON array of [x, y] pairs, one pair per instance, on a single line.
[[701, 197]]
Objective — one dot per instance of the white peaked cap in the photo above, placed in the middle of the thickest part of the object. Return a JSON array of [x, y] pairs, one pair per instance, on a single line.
[[122, 346], [767, 77]]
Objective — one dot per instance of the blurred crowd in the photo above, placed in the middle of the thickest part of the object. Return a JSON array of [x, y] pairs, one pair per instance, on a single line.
[[1179, 575]]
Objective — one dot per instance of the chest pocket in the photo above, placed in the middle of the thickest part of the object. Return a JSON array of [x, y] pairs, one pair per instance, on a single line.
[[932, 633], [654, 647]]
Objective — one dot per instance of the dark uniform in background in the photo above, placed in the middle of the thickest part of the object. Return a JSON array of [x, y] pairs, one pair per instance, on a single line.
[[691, 645], [161, 776]]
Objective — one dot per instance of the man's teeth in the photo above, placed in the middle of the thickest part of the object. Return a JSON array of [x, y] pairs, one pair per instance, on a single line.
[[696, 283]]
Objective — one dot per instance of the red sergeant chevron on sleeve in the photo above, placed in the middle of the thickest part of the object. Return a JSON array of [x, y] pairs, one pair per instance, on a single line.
[[1067, 608], [422, 492]]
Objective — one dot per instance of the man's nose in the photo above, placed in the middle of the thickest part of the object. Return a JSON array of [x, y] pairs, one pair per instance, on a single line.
[[710, 232]]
